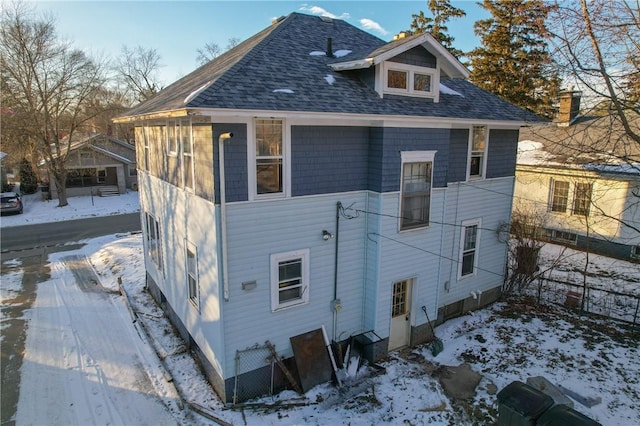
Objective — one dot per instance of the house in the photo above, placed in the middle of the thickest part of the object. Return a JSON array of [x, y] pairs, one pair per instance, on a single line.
[[98, 164], [581, 177], [315, 175]]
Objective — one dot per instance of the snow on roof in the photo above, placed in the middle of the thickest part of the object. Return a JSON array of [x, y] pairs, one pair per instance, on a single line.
[[448, 91], [532, 153], [330, 79], [196, 92], [282, 91]]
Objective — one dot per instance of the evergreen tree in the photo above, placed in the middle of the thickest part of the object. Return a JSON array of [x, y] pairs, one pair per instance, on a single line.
[[28, 179], [442, 11], [513, 61]]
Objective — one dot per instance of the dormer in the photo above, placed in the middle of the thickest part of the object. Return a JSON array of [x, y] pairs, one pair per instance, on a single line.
[[408, 66]]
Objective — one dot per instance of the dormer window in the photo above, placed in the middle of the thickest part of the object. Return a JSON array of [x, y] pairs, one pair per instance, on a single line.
[[409, 80]]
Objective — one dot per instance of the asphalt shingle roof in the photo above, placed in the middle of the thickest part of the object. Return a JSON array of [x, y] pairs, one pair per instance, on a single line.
[[280, 69]]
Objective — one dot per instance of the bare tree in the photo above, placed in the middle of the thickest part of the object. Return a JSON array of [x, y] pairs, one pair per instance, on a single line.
[[598, 44], [137, 70], [210, 51], [48, 84]]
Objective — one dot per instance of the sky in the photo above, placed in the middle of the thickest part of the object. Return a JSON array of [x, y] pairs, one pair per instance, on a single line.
[[176, 29]]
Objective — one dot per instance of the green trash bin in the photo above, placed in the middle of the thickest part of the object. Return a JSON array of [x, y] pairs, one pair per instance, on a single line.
[[562, 415], [521, 405]]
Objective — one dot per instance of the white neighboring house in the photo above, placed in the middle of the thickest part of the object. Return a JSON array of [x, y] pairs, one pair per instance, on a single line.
[[582, 176]]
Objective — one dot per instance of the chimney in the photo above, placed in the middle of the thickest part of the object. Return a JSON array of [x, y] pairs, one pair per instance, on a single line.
[[329, 47], [569, 106], [402, 34]]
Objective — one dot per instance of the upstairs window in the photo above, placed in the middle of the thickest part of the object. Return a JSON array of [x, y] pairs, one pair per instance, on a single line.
[[269, 156], [559, 196], [477, 152], [173, 141], [186, 142], [582, 199], [410, 80], [415, 192]]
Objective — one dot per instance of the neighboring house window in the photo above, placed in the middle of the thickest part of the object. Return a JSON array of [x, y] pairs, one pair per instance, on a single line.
[[102, 175], [172, 137], [635, 252], [187, 153], [289, 279], [477, 152], [562, 236], [133, 171], [269, 156], [415, 191], [582, 199], [192, 274], [409, 80], [469, 247], [559, 195], [86, 157], [153, 240]]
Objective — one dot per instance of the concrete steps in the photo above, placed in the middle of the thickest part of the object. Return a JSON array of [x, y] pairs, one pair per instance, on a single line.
[[108, 191]]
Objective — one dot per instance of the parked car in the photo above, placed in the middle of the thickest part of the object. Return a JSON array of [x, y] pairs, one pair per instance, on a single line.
[[10, 202]]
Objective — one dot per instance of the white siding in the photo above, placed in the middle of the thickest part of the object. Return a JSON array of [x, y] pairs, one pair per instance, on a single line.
[[257, 230], [184, 216]]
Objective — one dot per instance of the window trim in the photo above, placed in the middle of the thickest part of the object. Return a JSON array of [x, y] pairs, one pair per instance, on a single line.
[[556, 235], [588, 200], [552, 197], [483, 168], [184, 154], [173, 144], [252, 161], [463, 227], [158, 259], [275, 260], [145, 146], [407, 157], [411, 70], [193, 299]]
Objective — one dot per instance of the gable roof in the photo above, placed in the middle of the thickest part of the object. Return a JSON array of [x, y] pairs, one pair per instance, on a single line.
[[285, 68], [596, 143], [104, 144]]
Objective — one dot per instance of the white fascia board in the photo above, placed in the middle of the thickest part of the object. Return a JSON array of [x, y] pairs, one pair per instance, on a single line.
[[352, 65], [329, 118]]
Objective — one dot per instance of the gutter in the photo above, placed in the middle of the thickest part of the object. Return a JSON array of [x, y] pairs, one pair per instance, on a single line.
[[223, 214]]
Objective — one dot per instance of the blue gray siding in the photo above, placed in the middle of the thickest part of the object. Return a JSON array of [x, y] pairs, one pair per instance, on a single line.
[[458, 155], [503, 147], [327, 160], [235, 160], [418, 56]]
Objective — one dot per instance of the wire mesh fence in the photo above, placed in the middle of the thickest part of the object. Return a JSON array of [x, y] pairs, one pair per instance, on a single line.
[[254, 373], [613, 304]]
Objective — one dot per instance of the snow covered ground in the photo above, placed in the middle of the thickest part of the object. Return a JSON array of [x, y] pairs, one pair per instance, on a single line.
[[66, 364]]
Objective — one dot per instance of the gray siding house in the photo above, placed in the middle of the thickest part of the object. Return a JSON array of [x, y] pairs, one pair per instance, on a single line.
[[316, 175]]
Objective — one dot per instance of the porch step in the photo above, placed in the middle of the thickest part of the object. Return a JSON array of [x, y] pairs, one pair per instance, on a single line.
[[108, 191]]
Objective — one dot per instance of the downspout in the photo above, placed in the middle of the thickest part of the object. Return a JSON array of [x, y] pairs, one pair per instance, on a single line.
[[336, 302], [223, 213]]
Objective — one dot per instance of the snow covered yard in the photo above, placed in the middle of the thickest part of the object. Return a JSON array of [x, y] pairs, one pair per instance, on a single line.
[[504, 343]]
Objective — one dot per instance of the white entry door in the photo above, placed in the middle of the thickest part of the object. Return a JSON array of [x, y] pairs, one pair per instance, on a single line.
[[400, 315]]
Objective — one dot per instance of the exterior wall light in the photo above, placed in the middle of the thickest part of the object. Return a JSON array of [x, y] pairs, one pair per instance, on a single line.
[[326, 235]]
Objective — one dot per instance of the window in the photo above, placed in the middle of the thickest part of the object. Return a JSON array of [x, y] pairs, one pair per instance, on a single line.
[[146, 136], [582, 199], [102, 175], [559, 195], [635, 252], [411, 80], [400, 298], [289, 279], [477, 151], [469, 247], [269, 156], [86, 157], [132, 171], [415, 191], [172, 137], [187, 153], [562, 236], [153, 240], [192, 275]]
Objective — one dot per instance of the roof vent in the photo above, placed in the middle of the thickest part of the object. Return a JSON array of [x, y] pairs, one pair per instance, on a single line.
[[326, 19], [329, 47]]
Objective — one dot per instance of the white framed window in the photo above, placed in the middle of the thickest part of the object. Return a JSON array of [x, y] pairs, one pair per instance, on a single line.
[[469, 244], [154, 248], [173, 137], [478, 152], [415, 189], [186, 144], [191, 269], [559, 197], [410, 80], [146, 136], [289, 279], [582, 199], [133, 171], [562, 236], [270, 153]]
